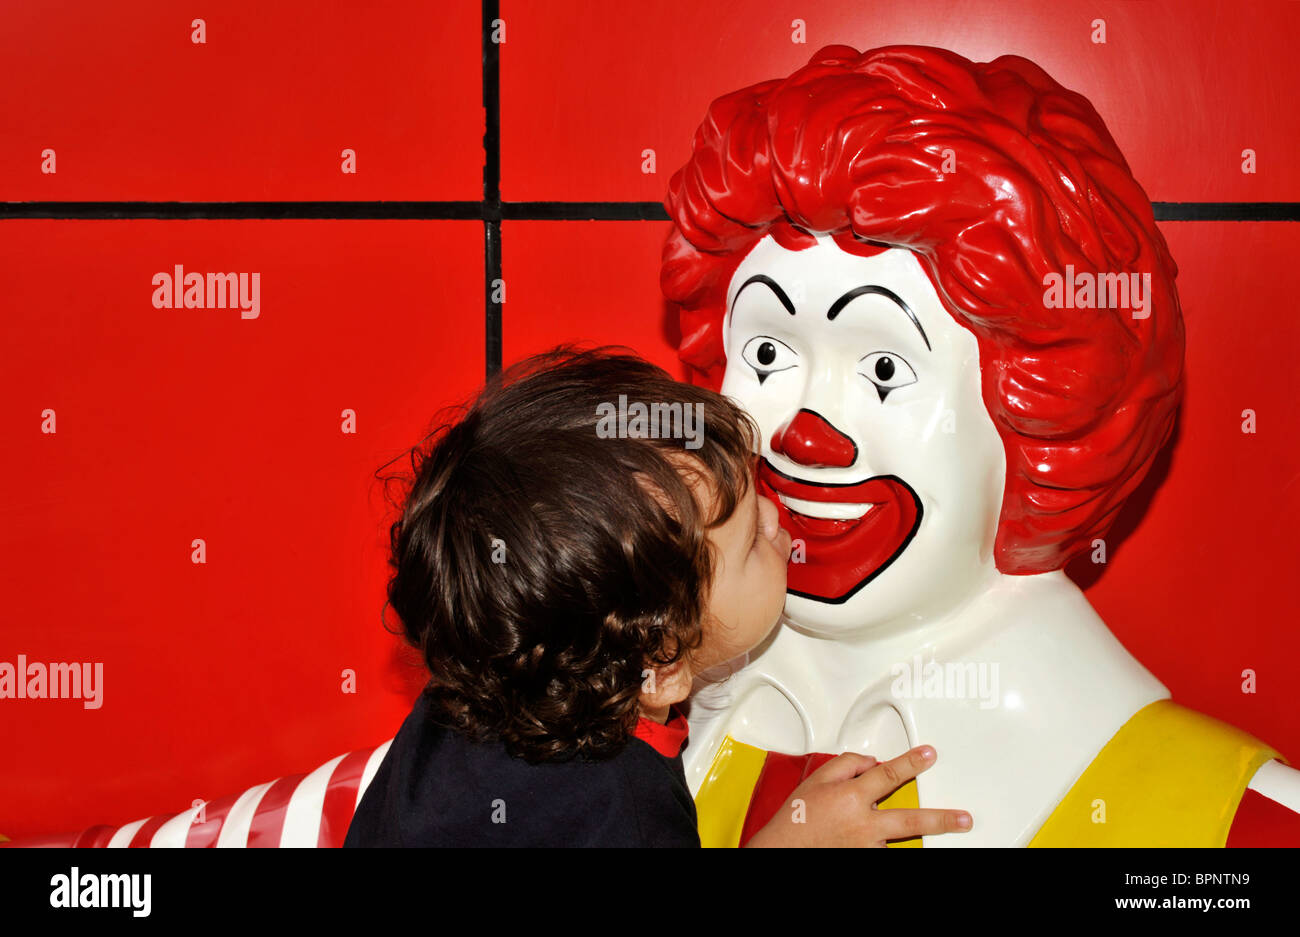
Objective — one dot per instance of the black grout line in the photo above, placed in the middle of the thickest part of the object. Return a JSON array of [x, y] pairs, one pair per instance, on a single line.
[[493, 212], [584, 211], [1226, 211], [491, 208], [492, 310], [275, 211]]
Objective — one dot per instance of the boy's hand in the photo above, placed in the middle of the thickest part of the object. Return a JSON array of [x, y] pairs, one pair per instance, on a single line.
[[836, 805]]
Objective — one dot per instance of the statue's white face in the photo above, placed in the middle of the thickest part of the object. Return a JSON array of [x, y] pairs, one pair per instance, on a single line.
[[875, 439]]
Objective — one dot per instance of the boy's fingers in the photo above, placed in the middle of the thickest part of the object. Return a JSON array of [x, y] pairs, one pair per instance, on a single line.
[[890, 775], [903, 823], [843, 767]]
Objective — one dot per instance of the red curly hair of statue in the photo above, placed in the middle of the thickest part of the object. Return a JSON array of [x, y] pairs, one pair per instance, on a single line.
[[856, 145]]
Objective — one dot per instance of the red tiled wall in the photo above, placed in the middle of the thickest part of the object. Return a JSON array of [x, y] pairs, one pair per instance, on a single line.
[[182, 423]]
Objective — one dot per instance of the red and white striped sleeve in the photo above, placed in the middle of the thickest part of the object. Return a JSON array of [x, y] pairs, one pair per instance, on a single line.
[[297, 811]]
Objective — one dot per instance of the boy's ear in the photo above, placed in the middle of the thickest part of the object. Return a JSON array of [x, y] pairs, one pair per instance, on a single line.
[[663, 686]]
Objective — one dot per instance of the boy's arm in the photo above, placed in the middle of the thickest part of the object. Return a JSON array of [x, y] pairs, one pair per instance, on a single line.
[[836, 805]]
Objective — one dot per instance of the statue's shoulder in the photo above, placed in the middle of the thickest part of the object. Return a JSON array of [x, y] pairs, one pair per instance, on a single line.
[[1171, 776]]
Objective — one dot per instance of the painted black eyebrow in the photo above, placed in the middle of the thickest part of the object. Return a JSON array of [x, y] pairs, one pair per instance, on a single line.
[[853, 294], [772, 284]]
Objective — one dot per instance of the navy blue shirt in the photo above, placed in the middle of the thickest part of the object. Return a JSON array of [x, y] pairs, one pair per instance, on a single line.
[[435, 787]]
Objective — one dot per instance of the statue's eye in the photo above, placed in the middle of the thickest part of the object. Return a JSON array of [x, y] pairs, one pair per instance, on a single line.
[[767, 355], [887, 371]]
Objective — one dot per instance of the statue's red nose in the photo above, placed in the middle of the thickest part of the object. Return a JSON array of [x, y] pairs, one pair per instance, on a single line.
[[810, 440]]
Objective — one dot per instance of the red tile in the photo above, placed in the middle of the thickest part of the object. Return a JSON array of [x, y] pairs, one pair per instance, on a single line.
[[1203, 585], [1183, 85], [134, 110], [586, 281], [175, 424]]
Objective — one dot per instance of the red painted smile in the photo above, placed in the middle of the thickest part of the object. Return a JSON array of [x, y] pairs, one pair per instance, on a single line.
[[851, 533]]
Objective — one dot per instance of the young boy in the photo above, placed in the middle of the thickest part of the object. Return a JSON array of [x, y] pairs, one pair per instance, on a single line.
[[567, 563]]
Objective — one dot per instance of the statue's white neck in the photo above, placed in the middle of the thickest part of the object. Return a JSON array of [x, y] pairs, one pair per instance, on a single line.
[[1017, 690]]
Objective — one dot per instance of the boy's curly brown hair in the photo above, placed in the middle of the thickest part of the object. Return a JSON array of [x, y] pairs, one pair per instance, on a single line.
[[541, 568]]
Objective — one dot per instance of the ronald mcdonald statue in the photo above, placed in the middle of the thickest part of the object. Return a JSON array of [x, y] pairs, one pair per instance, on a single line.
[[941, 294]]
